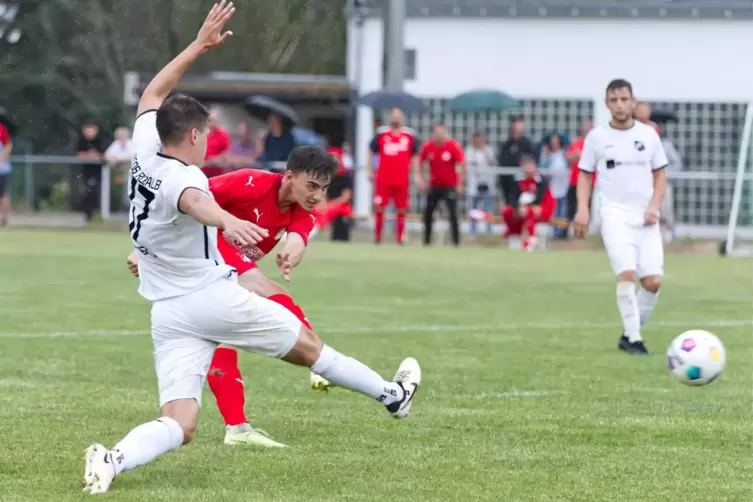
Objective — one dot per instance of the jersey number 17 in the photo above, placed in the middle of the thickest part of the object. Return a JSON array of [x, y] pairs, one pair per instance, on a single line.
[[135, 220]]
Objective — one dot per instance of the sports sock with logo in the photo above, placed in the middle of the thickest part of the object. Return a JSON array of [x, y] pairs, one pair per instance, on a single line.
[[287, 302], [351, 374], [145, 443], [628, 307], [226, 382], [646, 303]]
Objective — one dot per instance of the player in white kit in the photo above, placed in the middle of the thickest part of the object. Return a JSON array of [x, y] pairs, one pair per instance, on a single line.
[[197, 302], [630, 161]]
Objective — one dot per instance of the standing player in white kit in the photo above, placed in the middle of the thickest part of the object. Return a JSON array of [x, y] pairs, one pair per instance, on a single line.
[[197, 302], [631, 162]]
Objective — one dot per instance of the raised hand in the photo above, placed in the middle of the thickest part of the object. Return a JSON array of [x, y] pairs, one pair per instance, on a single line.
[[210, 34], [285, 265]]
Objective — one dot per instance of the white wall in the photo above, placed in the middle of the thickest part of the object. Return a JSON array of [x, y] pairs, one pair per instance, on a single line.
[[701, 60]]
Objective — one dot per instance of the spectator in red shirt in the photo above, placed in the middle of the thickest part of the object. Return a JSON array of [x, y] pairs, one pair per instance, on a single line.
[[218, 144], [443, 154], [6, 147], [530, 202], [573, 157], [397, 147]]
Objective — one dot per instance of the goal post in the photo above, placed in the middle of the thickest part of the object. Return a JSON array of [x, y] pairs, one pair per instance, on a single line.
[[739, 242]]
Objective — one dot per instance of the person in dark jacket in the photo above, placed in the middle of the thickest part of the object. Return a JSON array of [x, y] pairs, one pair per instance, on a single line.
[[510, 152]]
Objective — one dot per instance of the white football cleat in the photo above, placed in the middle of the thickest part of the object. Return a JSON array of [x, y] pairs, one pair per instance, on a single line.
[[245, 434], [319, 384], [99, 469], [409, 377]]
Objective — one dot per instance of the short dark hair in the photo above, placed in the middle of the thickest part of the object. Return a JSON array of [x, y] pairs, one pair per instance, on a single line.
[[526, 158], [620, 83], [314, 161], [177, 116], [439, 123]]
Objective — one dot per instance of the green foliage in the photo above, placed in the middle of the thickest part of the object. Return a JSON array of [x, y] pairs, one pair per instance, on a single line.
[[70, 62]]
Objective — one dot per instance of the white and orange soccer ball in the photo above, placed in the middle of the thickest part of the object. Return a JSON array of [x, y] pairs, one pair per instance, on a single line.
[[696, 357]]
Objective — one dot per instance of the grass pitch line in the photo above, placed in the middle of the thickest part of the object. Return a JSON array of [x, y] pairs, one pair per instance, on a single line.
[[420, 328]]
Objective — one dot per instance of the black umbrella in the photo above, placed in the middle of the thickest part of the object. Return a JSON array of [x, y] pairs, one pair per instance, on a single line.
[[662, 115], [7, 122], [262, 106], [384, 100]]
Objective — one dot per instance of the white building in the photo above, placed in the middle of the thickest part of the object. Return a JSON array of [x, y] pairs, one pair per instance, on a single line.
[[557, 58]]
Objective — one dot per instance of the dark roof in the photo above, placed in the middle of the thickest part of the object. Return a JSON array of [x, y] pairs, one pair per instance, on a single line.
[[236, 85], [674, 9]]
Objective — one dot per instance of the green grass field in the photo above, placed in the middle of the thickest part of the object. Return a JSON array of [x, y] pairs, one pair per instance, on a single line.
[[525, 397]]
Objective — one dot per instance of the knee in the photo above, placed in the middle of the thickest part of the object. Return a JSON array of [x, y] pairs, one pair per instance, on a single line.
[[651, 283], [307, 349], [186, 413], [627, 276], [507, 212]]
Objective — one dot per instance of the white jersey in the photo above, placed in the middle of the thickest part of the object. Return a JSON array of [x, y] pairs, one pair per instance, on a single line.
[[178, 254], [625, 160]]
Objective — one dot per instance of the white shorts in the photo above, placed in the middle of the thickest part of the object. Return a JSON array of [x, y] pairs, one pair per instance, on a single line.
[[187, 329], [631, 245]]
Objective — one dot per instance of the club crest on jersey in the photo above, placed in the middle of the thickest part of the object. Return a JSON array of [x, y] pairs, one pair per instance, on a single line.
[[639, 145], [446, 156]]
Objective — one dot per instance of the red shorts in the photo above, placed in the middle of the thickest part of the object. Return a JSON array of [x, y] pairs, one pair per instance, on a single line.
[[236, 259], [398, 194]]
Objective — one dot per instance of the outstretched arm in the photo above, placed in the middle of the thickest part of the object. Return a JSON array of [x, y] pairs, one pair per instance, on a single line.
[[210, 36]]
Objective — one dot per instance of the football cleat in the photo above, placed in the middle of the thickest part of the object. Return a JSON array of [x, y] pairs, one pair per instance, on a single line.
[[633, 348], [319, 384], [99, 470], [408, 376], [245, 434]]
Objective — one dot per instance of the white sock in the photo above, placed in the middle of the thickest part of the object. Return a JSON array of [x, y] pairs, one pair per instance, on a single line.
[[346, 372], [147, 442], [628, 306], [646, 303]]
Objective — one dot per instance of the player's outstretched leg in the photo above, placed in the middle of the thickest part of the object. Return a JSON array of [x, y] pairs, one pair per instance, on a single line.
[[142, 445], [343, 371], [627, 303], [226, 382]]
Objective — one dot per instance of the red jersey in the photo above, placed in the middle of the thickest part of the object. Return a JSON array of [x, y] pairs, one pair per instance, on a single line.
[[395, 150], [218, 142], [539, 189], [4, 135], [443, 162], [253, 195], [577, 147]]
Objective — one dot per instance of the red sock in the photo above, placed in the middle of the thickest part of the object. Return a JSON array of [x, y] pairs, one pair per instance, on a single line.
[[226, 382], [289, 304], [400, 227], [378, 226]]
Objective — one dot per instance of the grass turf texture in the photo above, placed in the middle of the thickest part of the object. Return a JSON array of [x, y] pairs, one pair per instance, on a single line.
[[525, 396]]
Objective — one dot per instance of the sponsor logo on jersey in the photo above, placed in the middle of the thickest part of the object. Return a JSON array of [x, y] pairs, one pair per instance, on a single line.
[[250, 181], [258, 214]]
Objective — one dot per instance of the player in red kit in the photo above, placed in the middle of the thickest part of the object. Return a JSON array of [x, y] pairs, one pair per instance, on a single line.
[[530, 202], [397, 147], [281, 204], [444, 155]]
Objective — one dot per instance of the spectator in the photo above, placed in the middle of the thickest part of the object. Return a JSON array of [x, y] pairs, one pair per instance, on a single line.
[[218, 145], [510, 152], [337, 209], [642, 114], [6, 147], [347, 156], [119, 155], [278, 142], [573, 157], [242, 152], [90, 146], [480, 186], [554, 162], [530, 202], [667, 208]]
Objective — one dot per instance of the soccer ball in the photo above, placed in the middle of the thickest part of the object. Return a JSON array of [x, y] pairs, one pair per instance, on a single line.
[[696, 357]]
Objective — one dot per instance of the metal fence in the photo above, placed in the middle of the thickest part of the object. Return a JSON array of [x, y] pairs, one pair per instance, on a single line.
[[702, 199]]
